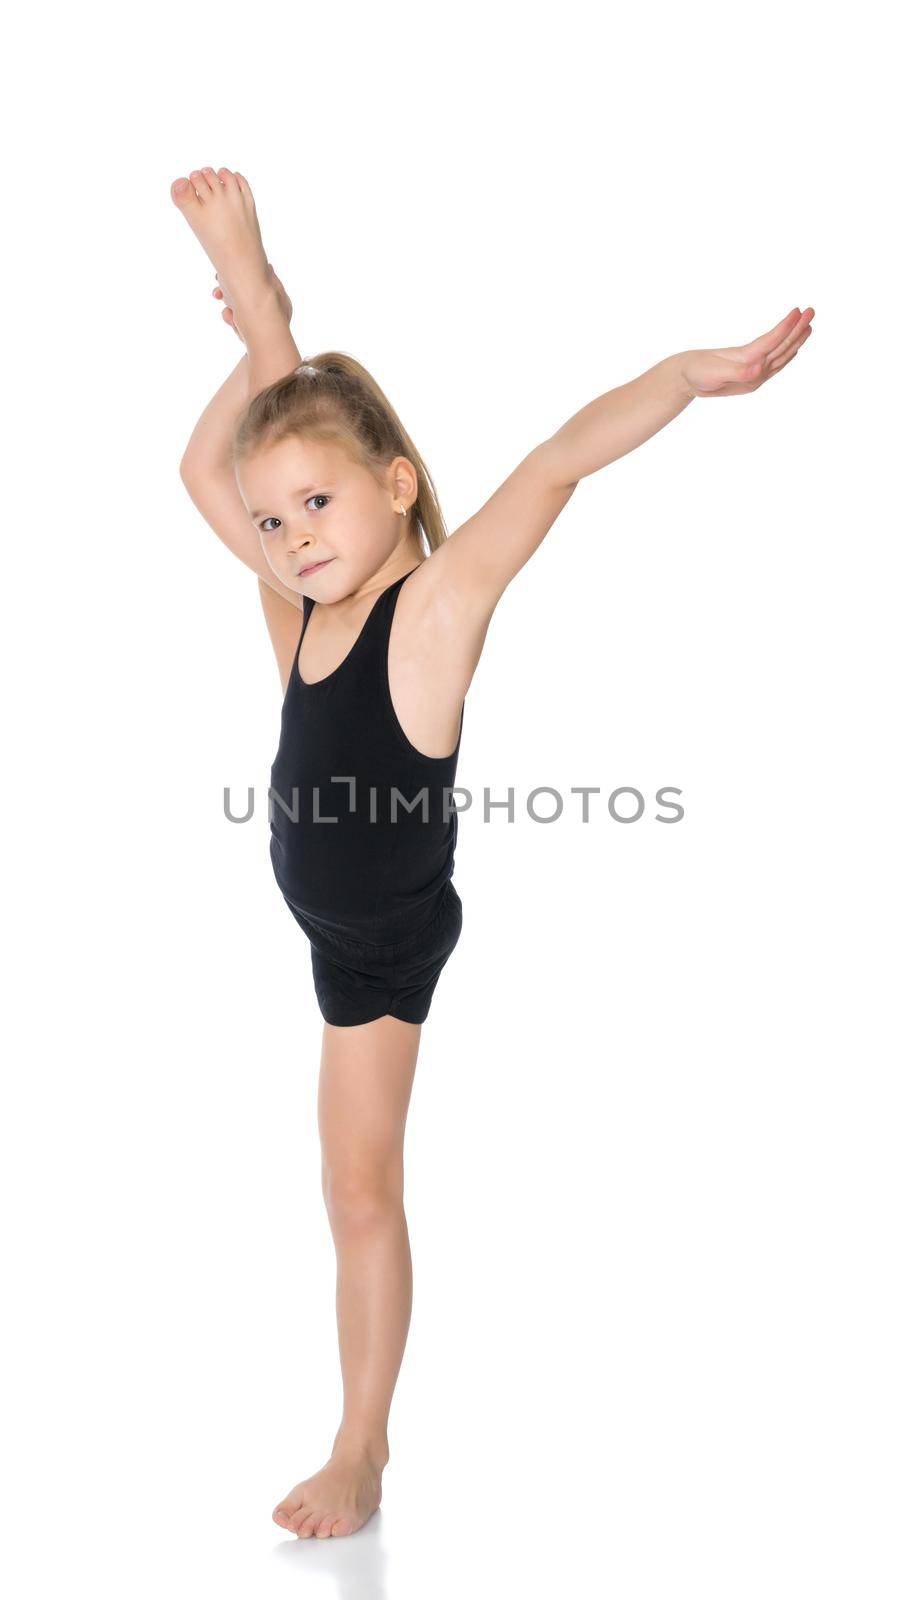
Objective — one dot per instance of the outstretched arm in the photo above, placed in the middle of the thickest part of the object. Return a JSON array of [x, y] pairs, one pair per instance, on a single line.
[[480, 559]]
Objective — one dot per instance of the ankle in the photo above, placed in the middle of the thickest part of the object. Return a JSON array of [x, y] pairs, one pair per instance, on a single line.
[[360, 1442], [256, 301]]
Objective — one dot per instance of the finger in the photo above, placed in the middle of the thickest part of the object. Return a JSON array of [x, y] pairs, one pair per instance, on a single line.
[[770, 341], [798, 332], [782, 361]]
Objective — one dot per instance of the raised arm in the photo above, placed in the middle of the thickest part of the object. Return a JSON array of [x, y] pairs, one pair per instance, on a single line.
[[206, 466], [221, 211], [480, 559]]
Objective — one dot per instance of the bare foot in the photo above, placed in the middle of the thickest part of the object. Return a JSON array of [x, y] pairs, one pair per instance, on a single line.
[[220, 208], [336, 1501]]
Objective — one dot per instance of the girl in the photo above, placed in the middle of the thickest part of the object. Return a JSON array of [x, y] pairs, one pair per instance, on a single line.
[[305, 471]]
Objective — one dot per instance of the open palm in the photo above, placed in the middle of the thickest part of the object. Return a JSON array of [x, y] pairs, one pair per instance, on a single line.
[[741, 368]]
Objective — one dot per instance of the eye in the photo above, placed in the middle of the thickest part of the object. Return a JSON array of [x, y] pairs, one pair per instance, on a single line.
[[310, 502]]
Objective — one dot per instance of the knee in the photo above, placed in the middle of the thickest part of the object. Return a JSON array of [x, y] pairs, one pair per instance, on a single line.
[[361, 1198]]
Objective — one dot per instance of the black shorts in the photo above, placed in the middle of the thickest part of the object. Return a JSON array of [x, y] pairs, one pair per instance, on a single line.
[[357, 982]]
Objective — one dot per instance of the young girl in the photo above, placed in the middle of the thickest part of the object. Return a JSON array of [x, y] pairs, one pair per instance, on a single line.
[[305, 471]]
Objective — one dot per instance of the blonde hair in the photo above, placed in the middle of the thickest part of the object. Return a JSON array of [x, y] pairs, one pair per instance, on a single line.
[[335, 397]]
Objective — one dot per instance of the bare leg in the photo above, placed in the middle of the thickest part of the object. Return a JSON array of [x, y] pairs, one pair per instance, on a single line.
[[365, 1085], [221, 210]]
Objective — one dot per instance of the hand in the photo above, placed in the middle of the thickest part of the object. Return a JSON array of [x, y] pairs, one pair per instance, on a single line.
[[742, 368], [221, 293]]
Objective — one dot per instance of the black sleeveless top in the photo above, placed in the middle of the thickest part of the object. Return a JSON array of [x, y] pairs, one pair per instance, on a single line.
[[362, 827]]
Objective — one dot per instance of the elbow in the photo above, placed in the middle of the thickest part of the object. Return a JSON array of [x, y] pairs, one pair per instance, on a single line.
[[194, 476], [556, 466]]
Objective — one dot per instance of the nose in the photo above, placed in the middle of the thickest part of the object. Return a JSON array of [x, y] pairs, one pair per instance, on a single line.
[[301, 541]]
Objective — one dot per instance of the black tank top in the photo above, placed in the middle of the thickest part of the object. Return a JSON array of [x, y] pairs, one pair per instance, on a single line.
[[343, 755]]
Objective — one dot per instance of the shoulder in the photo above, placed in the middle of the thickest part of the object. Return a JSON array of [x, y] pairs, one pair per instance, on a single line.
[[439, 625], [475, 566]]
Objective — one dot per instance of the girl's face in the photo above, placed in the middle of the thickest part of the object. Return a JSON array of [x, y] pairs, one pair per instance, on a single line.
[[312, 503]]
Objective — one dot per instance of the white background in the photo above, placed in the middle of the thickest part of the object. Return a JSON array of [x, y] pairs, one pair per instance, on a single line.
[[651, 1154]]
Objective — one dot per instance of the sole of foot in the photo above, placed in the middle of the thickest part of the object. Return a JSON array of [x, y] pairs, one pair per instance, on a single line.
[[218, 206]]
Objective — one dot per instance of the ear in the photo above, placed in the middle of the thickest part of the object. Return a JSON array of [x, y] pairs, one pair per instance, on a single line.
[[403, 480]]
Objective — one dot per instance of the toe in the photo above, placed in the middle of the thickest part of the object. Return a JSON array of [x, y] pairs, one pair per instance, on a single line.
[[341, 1526], [227, 177], [245, 187], [290, 1505], [307, 1527], [201, 184], [282, 1517], [183, 193], [323, 1531]]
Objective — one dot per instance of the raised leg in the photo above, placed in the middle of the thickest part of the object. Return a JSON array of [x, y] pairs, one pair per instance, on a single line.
[[220, 208]]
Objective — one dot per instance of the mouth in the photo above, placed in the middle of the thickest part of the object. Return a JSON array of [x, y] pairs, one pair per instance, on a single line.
[[315, 567]]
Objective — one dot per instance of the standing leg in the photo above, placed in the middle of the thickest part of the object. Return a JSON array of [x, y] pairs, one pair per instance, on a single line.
[[365, 1084]]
